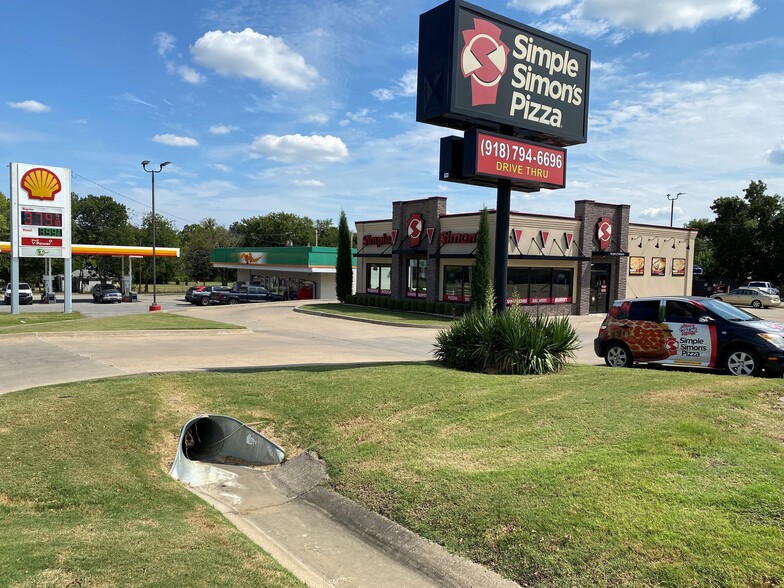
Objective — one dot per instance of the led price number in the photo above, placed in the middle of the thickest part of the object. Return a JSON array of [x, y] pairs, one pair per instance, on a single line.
[[46, 232], [42, 219], [520, 153]]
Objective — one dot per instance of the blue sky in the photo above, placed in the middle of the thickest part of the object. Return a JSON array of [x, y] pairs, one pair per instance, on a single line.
[[309, 106]]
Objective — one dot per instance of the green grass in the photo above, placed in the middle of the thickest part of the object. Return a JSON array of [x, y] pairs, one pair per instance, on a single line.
[[75, 322], [379, 314], [589, 477]]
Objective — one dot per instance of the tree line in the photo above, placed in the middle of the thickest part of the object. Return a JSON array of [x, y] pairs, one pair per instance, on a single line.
[[101, 220], [746, 238]]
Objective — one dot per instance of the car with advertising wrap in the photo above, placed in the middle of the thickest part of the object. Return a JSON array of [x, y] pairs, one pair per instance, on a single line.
[[690, 331]]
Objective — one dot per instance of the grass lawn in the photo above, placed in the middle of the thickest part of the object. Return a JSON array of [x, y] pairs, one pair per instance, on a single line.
[[590, 477], [388, 316], [75, 322]]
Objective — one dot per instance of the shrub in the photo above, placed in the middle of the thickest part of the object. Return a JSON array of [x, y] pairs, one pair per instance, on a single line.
[[511, 342], [430, 307]]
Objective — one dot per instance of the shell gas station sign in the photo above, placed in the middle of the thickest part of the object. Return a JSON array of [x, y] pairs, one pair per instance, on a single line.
[[40, 211]]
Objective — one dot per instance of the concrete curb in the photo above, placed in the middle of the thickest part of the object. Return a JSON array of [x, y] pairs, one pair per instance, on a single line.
[[131, 333], [365, 320]]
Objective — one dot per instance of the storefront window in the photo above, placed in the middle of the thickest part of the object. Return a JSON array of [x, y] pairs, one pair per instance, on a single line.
[[417, 278], [378, 279], [562, 286], [517, 279], [539, 285], [457, 283]]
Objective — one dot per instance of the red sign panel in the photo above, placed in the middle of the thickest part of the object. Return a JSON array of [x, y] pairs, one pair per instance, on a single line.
[[42, 242], [504, 157]]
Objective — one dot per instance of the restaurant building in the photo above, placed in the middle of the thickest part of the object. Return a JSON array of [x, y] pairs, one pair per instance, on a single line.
[[563, 265]]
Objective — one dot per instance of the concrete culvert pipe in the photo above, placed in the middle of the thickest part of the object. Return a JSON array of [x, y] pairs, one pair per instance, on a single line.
[[219, 439]]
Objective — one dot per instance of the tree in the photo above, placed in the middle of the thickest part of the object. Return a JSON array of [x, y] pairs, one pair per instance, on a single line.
[[166, 235], [747, 235], [482, 296], [100, 220], [198, 241], [5, 235], [344, 276], [703, 246]]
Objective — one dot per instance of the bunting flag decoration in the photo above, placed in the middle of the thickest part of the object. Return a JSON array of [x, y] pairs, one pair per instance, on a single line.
[[394, 236], [430, 233], [544, 235], [569, 238], [518, 235]]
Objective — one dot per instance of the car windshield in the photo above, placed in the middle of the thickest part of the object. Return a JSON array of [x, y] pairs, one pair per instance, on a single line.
[[727, 311]]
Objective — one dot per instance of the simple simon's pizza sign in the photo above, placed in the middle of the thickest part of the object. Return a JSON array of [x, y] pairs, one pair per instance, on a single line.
[[40, 211], [479, 69]]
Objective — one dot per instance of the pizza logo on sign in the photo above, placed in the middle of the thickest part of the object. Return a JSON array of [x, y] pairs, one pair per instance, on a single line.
[[41, 184], [604, 232], [484, 60], [415, 226]]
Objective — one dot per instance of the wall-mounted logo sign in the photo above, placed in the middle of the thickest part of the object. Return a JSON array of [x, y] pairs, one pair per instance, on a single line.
[[377, 240], [483, 60], [415, 226], [604, 230], [448, 237], [41, 184]]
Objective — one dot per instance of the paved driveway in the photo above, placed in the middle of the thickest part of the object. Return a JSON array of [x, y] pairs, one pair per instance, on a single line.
[[275, 336]]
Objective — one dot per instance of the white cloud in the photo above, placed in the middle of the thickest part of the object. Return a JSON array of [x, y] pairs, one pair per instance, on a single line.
[[538, 6], [597, 18], [361, 116], [298, 148], [221, 167], [253, 55], [404, 87], [175, 141], [30, 106], [164, 43], [319, 118], [776, 155], [308, 183], [222, 129], [190, 75]]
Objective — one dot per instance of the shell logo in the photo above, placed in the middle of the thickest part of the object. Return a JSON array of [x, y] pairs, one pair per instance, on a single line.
[[41, 184]]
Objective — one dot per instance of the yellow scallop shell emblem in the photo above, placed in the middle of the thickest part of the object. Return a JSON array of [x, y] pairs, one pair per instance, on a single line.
[[41, 184]]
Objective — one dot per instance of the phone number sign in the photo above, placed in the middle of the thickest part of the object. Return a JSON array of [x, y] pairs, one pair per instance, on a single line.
[[497, 156]]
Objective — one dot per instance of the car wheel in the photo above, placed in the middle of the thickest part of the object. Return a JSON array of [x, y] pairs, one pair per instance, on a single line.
[[618, 355], [204, 301], [742, 362], [233, 301], [756, 304]]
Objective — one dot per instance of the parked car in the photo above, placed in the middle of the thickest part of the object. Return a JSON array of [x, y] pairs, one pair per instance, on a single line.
[[756, 297], [25, 293], [690, 331], [202, 297], [189, 292], [766, 286], [99, 289], [242, 294], [111, 295]]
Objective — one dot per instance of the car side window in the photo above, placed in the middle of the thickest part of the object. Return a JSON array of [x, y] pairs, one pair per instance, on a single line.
[[681, 311], [644, 310]]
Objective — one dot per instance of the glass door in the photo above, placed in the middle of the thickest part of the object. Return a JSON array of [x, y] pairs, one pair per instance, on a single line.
[[600, 288]]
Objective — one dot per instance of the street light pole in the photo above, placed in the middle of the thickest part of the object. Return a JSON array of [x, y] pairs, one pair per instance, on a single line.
[[672, 200], [152, 172]]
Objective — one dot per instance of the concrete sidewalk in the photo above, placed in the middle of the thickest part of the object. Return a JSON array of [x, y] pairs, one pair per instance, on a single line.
[[327, 540]]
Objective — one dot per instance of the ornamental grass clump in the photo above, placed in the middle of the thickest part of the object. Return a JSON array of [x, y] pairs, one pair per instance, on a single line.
[[511, 342]]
